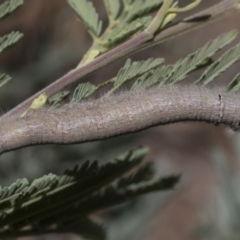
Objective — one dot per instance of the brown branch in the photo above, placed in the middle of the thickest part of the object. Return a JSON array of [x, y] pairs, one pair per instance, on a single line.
[[121, 114], [143, 40]]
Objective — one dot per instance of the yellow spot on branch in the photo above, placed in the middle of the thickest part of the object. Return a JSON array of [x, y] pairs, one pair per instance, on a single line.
[[37, 103]]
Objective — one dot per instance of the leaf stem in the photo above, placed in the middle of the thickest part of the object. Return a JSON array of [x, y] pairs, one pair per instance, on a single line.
[[159, 18], [185, 9]]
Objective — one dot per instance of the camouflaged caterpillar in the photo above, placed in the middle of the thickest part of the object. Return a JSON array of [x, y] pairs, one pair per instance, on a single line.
[[130, 111]]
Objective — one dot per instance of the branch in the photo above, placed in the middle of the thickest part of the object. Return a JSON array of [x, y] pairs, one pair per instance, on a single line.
[[143, 40], [128, 112]]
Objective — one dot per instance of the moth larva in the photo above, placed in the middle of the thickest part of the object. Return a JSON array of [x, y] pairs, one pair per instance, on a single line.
[[126, 112]]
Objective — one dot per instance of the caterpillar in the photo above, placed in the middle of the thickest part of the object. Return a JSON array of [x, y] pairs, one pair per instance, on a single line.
[[122, 113]]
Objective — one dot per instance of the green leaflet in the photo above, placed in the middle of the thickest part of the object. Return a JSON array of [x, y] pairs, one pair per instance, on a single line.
[[234, 85], [113, 8], [142, 81], [39, 184], [124, 22], [9, 39], [156, 77], [85, 90], [140, 8], [82, 91], [8, 7], [4, 78], [88, 15], [55, 100], [183, 67], [132, 70], [123, 31], [14, 189], [221, 65], [21, 190], [132, 21]]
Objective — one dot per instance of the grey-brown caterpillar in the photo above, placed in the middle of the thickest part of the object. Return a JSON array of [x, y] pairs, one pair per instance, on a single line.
[[126, 112]]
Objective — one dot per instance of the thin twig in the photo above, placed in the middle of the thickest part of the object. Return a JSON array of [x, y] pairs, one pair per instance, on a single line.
[[135, 44]]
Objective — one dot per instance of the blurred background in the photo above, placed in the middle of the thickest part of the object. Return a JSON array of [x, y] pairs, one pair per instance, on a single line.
[[205, 205]]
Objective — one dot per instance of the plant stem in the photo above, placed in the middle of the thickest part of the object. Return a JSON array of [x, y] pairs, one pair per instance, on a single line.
[[159, 18]]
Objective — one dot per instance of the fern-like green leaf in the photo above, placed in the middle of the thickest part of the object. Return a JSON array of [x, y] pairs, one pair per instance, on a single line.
[[4, 78], [99, 88], [39, 184], [140, 8], [156, 77], [113, 8], [15, 188], [50, 205], [123, 31], [82, 91], [55, 100], [88, 15], [184, 66], [8, 7], [221, 65], [66, 189], [142, 81], [9, 39], [234, 85], [132, 70]]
